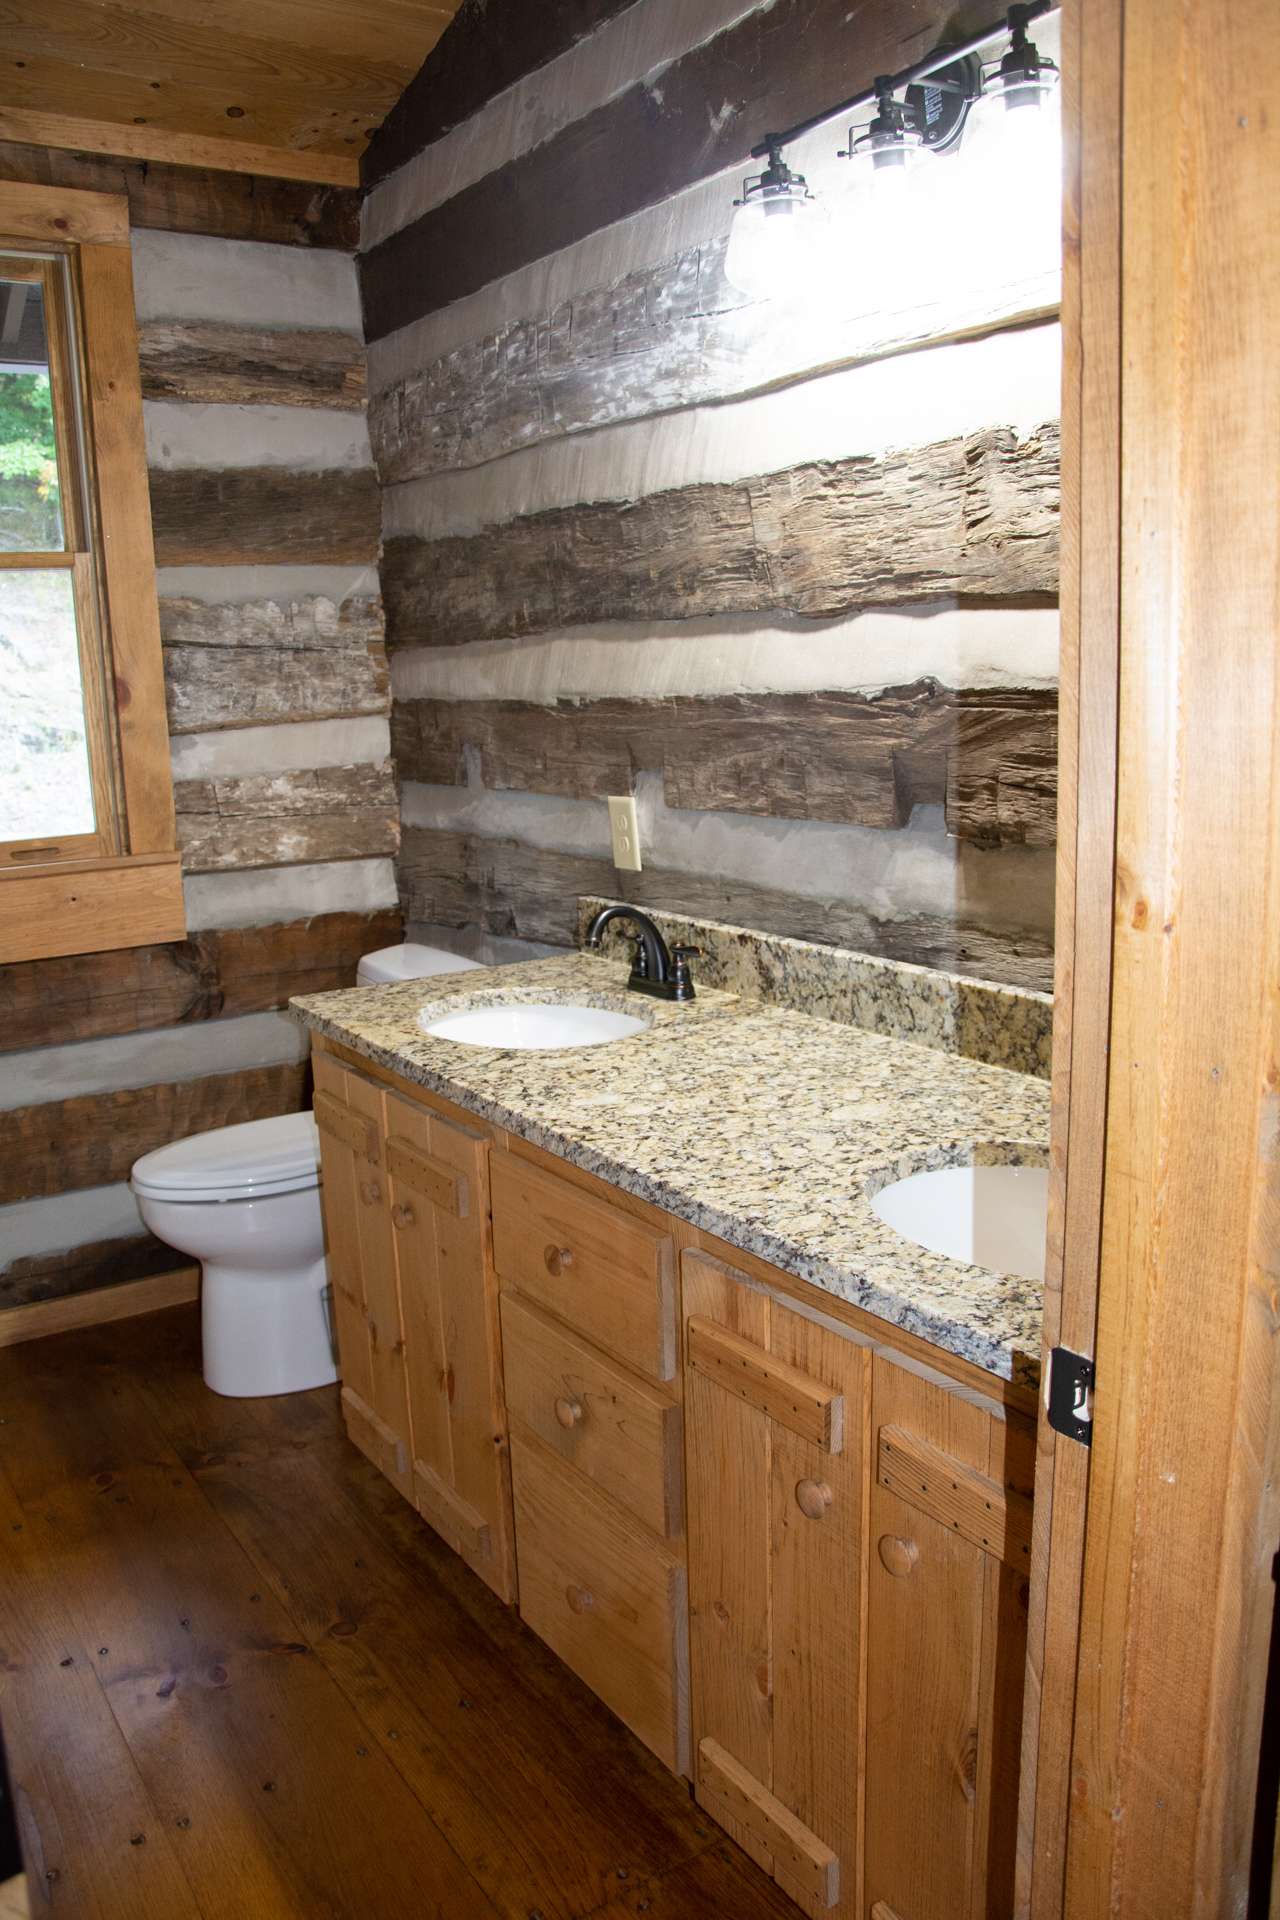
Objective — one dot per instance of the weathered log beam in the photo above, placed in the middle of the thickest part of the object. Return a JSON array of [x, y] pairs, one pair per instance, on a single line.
[[235, 206], [987, 754], [664, 337], [505, 888], [974, 518], [298, 367], [247, 515], [774, 67], [284, 819], [101, 1263], [209, 976], [93, 1139], [261, 662]]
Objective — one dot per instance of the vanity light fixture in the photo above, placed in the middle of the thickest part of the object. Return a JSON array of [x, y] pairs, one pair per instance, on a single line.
[[776, 241]]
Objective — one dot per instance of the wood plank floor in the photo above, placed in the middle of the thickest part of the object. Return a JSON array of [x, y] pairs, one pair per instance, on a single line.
[[239, 1678]]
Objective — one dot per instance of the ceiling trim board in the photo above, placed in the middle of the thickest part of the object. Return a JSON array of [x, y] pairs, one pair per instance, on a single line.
[[161, 144]]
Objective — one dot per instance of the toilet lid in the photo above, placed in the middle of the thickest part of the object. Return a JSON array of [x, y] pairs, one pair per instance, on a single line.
[[260, 1157]]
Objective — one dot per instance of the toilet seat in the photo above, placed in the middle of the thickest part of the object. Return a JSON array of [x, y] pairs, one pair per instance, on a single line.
[[251, 1161]]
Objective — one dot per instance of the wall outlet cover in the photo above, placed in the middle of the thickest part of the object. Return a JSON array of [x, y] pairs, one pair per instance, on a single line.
[[624, 828]]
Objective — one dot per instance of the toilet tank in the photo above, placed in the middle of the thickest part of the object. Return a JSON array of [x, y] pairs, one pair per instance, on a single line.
[[409, 962]]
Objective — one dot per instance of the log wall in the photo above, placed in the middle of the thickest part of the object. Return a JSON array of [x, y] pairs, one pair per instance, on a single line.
[[787, 572], [266, 517]]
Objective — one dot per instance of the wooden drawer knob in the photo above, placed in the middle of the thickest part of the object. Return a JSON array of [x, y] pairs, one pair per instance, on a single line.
[[556, 1259], [370, 1192], [568, 1412], [813, 1497], [581, 1599], [897, 1556], [402, 1215]]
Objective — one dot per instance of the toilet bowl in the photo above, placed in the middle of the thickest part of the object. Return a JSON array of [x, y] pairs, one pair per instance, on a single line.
[[245, 1202]]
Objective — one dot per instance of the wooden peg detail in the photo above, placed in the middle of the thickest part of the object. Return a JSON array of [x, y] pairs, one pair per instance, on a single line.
[[979, 1509], [805, 1405], [813, 1497], [432, 1178], [897, 1556], [353, 1129]]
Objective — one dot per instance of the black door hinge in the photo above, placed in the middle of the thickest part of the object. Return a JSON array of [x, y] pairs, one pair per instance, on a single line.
[[1071, 1395]]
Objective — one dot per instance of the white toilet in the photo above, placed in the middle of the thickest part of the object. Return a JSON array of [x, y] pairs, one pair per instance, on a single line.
[[245, 1202]]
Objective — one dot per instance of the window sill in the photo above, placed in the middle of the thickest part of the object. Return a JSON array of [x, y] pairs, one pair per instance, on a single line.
[[90, 906]]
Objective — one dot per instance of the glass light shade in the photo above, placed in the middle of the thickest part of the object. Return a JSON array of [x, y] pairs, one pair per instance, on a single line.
[[777, 247]]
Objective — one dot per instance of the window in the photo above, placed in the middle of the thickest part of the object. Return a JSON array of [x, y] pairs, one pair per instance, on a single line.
[[87, 849]]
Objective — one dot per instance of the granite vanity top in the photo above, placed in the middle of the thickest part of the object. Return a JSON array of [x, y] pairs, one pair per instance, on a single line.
[[768, 1127]]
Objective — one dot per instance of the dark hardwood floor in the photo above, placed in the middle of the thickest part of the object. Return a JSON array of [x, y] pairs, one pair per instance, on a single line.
[[239, 1677]]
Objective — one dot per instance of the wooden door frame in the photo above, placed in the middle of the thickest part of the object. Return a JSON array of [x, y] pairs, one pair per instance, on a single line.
[[1151, 1592]]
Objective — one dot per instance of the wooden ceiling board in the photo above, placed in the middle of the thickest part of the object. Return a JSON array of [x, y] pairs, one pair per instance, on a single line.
[[306, 79]]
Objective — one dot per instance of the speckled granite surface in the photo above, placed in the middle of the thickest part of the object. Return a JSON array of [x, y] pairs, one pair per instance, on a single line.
[[979, 1019], [768, 1127]]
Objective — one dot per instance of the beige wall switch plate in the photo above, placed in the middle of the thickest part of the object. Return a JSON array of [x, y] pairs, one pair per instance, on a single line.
[[625, 829]]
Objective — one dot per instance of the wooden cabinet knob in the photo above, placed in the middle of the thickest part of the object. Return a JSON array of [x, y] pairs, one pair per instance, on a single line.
[[897, 1556], [581, 1599], [813, 1497], [402, 1215], [556, 1259], [370, 1192], [568, 1412]]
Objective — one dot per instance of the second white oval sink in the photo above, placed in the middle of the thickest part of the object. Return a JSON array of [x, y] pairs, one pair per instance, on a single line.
[[989, 1216], [536, 1028]]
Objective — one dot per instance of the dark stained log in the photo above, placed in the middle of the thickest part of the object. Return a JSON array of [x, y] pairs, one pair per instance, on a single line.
[[485, 50], [974, 518], [704, 112], [101, 1263], [93, 1139], [987, 754], [235, 206], [209, 976], [247, 515], [286, 819], [298, 367], [257, 662], [521, 892], [666, 336]]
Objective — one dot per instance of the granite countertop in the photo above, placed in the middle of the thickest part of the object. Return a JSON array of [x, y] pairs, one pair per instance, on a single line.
[[767, 1127]]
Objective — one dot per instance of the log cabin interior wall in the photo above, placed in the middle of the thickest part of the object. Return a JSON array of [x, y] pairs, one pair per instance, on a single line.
[[265, 512], [787, 573]]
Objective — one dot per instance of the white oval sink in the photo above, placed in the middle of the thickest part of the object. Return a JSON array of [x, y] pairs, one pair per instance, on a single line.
[[535, 1028], [989, 1216]]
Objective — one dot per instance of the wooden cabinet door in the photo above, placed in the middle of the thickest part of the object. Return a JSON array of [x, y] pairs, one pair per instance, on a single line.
[[362, 1268], [439, 1209], [946, 1641], [775, 1412]]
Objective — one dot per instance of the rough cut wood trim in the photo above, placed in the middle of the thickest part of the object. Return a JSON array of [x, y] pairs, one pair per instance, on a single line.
[[94, 1139], [247, 515], [286, 819], [485, 51], [505, 888], [974, 517], [988, 755], [148, 143], [259, 662], [202, 360], [197, 200], [773, 68], [32, 1279], [208, 976], [98, 1306], [674, 334]]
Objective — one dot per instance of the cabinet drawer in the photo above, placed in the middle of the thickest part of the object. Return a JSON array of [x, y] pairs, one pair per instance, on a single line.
[[609, 1275], [605, 1596], [620, 1432]]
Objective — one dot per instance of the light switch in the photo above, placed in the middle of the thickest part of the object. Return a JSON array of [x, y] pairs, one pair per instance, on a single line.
[[625, 830]]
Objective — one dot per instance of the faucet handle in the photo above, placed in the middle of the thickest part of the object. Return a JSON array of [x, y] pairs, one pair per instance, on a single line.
[[681, 979]]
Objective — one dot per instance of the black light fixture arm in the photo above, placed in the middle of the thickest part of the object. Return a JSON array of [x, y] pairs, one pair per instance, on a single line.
[[1017, 19]]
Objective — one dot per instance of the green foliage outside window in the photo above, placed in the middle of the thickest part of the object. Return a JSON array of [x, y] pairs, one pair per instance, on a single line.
[[30, 514]]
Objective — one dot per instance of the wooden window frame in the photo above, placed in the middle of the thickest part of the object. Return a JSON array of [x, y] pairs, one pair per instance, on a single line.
[[123, 887]]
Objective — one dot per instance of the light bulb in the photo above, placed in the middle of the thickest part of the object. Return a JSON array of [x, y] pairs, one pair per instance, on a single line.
[[776, 246]]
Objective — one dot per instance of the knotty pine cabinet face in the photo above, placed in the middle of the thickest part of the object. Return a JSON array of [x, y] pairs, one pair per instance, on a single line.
[[416, 1309]]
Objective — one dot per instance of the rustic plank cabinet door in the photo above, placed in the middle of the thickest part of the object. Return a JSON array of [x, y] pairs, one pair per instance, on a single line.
[[439, 1210], [362, 1268], [775, 1411], [946, 1640]]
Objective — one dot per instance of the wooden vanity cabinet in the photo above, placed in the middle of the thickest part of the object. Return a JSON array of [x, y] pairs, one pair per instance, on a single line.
[[406, 1202]]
